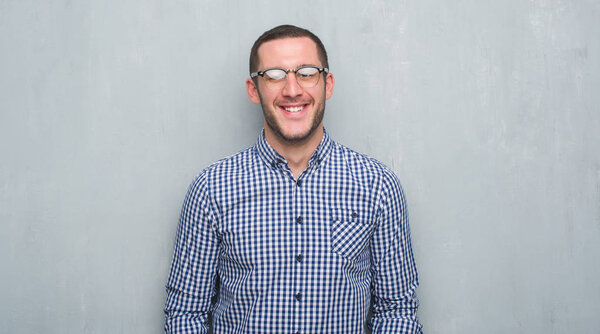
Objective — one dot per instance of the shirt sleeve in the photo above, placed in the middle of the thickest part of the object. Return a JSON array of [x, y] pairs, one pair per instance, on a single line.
[[394, 271], [191, 282]]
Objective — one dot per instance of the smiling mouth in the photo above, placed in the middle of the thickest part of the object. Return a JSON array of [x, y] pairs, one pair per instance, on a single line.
[[293, 109]]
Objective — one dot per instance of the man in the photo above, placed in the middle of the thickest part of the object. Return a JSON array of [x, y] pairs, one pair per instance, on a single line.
[[301, 234]]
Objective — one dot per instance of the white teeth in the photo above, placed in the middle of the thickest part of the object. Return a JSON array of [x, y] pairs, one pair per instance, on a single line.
[[294, 109]]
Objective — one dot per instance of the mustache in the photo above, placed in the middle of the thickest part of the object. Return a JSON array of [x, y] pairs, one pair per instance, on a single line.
[[293, 101]]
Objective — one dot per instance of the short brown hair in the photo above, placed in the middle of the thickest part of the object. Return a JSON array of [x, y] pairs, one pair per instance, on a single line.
[[285, 31]]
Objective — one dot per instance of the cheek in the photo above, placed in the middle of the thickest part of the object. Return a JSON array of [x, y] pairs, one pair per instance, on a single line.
[[318, 94], [267, 97]]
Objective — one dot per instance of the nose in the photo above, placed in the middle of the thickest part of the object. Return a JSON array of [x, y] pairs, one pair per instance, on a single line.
[[291, 88]]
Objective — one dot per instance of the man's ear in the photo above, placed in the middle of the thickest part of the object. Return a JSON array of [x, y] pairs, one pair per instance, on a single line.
[[252, 91], [329, 82]]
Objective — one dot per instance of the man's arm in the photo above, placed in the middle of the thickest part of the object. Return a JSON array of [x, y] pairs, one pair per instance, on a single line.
[[192, 277], [394, 271]]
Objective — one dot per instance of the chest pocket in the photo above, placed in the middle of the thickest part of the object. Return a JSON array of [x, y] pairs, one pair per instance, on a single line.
[[350, 233]]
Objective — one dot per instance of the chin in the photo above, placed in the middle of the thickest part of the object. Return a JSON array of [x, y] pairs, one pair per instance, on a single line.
[[292, 133], [295, 137]]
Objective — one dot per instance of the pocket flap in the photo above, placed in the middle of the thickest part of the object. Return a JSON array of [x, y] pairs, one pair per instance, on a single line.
[[350, 233]]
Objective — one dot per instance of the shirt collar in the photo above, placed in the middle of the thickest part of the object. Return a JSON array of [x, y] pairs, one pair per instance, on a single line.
[[273, 159]]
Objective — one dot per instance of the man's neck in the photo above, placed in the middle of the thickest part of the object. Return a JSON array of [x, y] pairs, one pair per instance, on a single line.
[[297, 154]]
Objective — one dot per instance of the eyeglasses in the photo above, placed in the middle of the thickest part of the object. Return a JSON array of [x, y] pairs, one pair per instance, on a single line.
[[276, 78]]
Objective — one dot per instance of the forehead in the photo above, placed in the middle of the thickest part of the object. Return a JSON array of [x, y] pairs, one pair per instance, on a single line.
[[288, 52]]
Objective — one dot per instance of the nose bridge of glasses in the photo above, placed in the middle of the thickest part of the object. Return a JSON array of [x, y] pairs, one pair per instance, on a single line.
[[288, 84], [294, 71]]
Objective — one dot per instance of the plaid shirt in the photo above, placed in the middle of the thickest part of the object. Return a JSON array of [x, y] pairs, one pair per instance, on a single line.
[[293, 256]]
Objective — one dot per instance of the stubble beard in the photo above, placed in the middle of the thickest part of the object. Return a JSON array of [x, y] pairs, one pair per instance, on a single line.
[[272, 123]]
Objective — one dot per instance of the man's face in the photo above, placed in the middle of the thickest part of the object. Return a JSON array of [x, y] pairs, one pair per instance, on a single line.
[[293, 113]]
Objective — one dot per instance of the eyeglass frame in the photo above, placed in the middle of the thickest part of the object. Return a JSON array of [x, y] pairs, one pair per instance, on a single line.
[[261, 73]]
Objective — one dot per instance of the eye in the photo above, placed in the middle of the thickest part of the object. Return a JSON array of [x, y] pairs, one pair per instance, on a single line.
[[274, 74], [307, 72]]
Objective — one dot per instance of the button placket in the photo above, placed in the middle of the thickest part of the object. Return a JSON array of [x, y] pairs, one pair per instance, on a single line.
[[297, 256]]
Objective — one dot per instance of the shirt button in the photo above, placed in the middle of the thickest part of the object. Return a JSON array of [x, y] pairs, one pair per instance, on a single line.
[[299, 257], [299, 183], [298, 296], [354, 214], [299, 220]]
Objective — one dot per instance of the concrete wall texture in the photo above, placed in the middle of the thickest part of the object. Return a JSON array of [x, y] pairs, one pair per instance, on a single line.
[[487, 110]]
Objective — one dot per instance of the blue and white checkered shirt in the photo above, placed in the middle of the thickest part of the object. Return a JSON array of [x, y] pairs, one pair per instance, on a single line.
[[293, 256]]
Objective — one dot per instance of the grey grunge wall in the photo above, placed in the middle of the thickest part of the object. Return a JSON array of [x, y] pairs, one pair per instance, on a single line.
[[488, 111]]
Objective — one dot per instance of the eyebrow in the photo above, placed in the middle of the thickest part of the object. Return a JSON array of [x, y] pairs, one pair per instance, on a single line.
[[283, 68]]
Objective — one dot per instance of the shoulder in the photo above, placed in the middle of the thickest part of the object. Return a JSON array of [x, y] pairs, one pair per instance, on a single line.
[[366, 167], [224, 169], [232, 164]]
